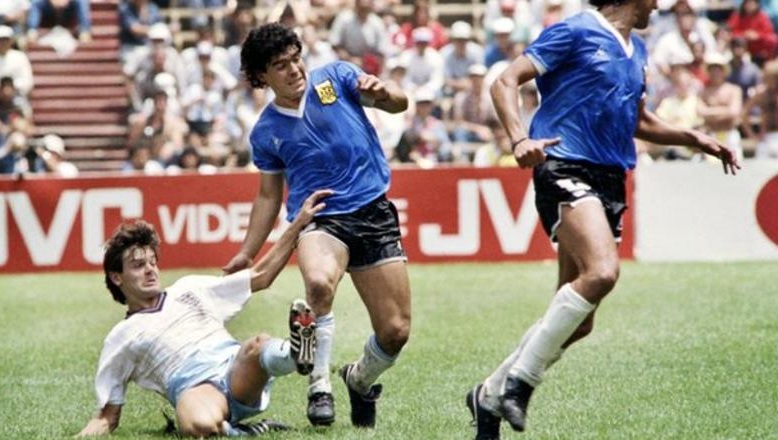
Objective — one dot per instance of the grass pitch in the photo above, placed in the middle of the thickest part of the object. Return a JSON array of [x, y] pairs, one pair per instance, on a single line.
[[679, 351]]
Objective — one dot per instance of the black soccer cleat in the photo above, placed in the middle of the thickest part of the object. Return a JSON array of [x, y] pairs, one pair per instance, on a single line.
[[302, 336], [259, 428], [487, 425], [321, 409], [515, 402], [362, 406]]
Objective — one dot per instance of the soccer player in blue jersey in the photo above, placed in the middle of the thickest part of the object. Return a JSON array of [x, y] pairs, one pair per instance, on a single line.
[[315, 134], [590, 72]]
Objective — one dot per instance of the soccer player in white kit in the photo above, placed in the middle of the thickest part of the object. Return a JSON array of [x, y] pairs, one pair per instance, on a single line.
[[173, 340]]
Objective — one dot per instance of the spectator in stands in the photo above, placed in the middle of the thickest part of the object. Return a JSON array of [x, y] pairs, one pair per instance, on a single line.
[[13, 149], [502, 48], [141, 160], [425, 141], [206, 116], [697, 67], [666, 21], [472, 109], [496, 153], [529, 101], [721, 104], [167, 127], [766, 100], [209, 60], [679, 41], [238, 24], [424, 64], [60, 13], [190, 160], [723, 37], [461, 53], [14, 63], [316, 52], [679, 107], [520, 11], [204, 9], [11, 103], [206, 40], [244, 105], [753, 24], [135, 19], [743, 72], [149, 61], [13, 13], [359, 33], [52, 156], [421, 17]]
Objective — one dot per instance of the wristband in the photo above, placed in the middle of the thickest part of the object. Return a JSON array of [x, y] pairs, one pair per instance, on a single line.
[[515, 144]]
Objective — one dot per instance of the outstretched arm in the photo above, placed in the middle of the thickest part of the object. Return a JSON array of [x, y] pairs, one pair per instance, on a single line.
[[653, 129], [270, 265], [381, 95], [505, 96], [263, 216], [103, 423]]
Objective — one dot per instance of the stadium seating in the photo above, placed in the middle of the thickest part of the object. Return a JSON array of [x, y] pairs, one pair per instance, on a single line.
[[82, 97]]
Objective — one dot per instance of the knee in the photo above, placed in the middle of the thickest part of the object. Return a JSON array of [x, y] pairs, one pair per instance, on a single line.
[[253, 347], [394, 335], [601, 279], [200, 425], [320, 290]]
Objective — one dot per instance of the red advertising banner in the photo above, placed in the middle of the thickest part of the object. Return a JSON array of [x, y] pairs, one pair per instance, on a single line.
[[446, 215]]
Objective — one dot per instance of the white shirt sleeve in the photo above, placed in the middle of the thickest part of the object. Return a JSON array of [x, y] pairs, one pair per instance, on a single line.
[[114, 369]]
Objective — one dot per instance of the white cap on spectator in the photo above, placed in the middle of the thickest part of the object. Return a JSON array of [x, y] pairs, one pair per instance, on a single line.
[[395, 63], [6, 31], [424, 95], [477, 70], [204, 48], [503, 25], [421, 35], [167, 82], [55, 144], [461, 30], [160, 31]]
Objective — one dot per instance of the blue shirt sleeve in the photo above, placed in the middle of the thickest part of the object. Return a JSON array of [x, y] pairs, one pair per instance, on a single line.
[[553, 47], [347, 74], [262, 152]]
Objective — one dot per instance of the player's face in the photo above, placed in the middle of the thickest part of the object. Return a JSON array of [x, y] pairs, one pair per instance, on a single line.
[[644, 9], [287, 77], [139, 278]]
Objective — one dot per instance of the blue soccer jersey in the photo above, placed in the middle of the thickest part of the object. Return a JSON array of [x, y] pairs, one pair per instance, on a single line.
[[327, 143], [591, 82]]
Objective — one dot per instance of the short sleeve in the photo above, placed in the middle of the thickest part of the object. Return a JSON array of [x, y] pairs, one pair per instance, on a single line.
[[552, 48], [113, 371], [346, 74], [262, 152]]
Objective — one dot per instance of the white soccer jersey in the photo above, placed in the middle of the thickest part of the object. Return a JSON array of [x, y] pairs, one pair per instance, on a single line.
[[151, 344]]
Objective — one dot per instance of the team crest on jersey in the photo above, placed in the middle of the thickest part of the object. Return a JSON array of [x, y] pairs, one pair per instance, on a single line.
[[326, 92]]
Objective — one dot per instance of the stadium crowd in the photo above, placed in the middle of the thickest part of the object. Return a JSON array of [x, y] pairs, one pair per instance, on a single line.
[[712, 66]]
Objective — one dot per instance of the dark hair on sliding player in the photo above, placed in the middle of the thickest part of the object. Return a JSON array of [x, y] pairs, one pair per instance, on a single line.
[[128, 235]]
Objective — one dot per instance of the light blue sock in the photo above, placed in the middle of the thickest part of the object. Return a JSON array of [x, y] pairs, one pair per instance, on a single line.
[[275, 358]]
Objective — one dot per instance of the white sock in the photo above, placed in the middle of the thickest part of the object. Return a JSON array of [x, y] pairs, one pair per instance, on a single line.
[[494, 384], [566, 312], [319, 380], [275, 358], [370, 365]]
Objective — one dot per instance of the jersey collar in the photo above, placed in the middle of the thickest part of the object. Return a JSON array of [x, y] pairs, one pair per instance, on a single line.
[[156, 308], [294, 113], [626, 45]]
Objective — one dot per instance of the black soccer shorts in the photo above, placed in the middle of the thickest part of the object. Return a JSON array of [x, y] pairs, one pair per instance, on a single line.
[[564, 182], [371, 234]]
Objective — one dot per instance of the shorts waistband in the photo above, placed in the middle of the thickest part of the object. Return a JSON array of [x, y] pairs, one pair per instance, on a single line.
[[610, 169]]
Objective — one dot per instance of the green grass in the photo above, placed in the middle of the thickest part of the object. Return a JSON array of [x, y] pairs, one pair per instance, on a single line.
[[680, 351]]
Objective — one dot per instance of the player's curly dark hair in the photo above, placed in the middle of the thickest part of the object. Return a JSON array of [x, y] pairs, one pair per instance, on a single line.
[[261, 46], [130, 234]]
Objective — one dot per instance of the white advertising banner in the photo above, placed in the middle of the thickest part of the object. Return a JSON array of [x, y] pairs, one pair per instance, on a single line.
[[694, 212]]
